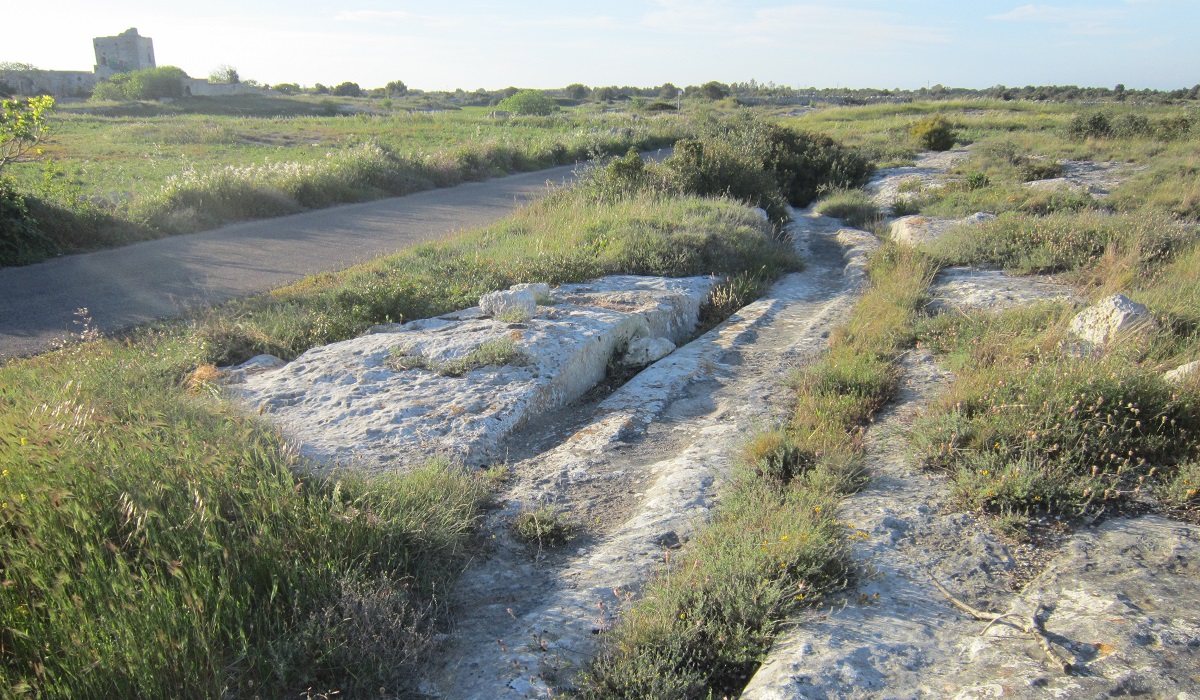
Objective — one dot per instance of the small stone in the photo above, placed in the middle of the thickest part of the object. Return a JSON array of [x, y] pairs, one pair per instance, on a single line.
[[540, 290], [645, 351], [1111, 319], [1183, 372], [518, 305]]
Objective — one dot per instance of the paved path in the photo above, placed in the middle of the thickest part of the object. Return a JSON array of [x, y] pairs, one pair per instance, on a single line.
[[127, 286]]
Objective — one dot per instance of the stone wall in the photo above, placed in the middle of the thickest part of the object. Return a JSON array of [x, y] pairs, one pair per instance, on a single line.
[[58, 83]]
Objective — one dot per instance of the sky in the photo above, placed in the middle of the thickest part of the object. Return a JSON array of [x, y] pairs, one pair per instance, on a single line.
[[545, 44]]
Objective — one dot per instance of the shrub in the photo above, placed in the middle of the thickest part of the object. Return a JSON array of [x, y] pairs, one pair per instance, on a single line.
[[712, 167], [528, 103], [347, 89], [1092, 125], [544, 528], [934, 133], [806, 165], [21, 242], [148, 84]]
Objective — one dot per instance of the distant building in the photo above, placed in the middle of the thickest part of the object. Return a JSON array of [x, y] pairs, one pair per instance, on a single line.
[[123, 53]]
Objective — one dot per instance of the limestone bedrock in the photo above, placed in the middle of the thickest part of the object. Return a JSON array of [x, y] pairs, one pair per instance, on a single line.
[[350, 403]]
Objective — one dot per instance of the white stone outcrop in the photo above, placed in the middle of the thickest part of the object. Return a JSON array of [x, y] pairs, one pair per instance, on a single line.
[[1112, 319], [1183, 372], [916, 230], [540, 290], [509, 305], [353, 401]]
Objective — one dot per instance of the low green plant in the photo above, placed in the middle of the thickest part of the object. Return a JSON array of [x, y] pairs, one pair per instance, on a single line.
[[529, 103], [1027, 428], [934, 133], [1062, 241], [498, 351], [855, 207], [544, 528], [146, 84]]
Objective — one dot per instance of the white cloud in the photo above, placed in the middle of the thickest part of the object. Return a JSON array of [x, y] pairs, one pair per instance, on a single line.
[[1075, 20], [801, 23]]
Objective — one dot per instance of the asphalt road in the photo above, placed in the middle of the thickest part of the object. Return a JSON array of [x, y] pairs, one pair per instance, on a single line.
[[135, 284]]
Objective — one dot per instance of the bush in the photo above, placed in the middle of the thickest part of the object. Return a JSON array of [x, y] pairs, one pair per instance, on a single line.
[[20, 240], [806, 165], [934, 133], [148, 84], [712, 167], [1093, 125], [528, 103], [348, 89]]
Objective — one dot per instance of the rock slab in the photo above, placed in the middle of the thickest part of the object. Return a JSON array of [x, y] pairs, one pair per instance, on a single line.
[[1111, 319], [355, 401]]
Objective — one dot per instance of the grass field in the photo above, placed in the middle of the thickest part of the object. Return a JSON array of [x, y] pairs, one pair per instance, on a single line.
[[1106, 431], [115, 174]]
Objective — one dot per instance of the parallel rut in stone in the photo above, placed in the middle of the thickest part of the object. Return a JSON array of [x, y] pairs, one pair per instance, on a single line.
[[642, 473]]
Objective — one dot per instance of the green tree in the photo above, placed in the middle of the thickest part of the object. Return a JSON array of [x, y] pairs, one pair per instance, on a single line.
[[668, 91], [286, 88], [577, 91], [348, 89], [712, 90], [224, 73], [396, 88], [23, 124], [528, 102], [149, 84]]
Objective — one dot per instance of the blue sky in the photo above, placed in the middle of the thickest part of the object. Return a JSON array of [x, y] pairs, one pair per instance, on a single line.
[[538, 43]]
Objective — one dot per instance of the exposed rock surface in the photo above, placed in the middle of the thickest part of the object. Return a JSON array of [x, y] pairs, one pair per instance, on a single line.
[[906, 183], [351, 401], [642, 468], [1097, 178], [1121, 602], [1183, 372], [643, 351], [509, 305], [973, 289], [1111, 319], [916, 230]]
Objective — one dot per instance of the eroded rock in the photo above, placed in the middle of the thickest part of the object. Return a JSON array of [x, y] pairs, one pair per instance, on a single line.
[[459, 384], [509, 305], [645, 351], [973, 289], [916, 230], [1183, 372], [1112, 319]]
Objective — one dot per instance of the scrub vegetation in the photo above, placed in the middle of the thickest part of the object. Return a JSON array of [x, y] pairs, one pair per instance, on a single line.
[[160, 540]]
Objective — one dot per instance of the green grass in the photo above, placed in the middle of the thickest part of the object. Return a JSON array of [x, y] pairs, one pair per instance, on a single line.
[[852, 206], [544, 528], [110, 180], [1027, 428], [563, 238], [500, 351], [160, 541], [774, 546]]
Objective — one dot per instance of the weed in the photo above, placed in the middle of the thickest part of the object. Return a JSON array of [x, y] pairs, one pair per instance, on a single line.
[[498, 351], [544, 528], [934, 133]]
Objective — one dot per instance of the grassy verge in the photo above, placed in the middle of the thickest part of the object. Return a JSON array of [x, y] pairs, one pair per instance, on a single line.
[[103, 190], [703, 625], [158, 541]]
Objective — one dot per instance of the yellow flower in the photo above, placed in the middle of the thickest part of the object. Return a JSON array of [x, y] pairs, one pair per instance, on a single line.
[[782, 538]]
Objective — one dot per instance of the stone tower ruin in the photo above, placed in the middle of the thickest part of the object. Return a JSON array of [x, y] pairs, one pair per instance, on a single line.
[[122, 53]]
